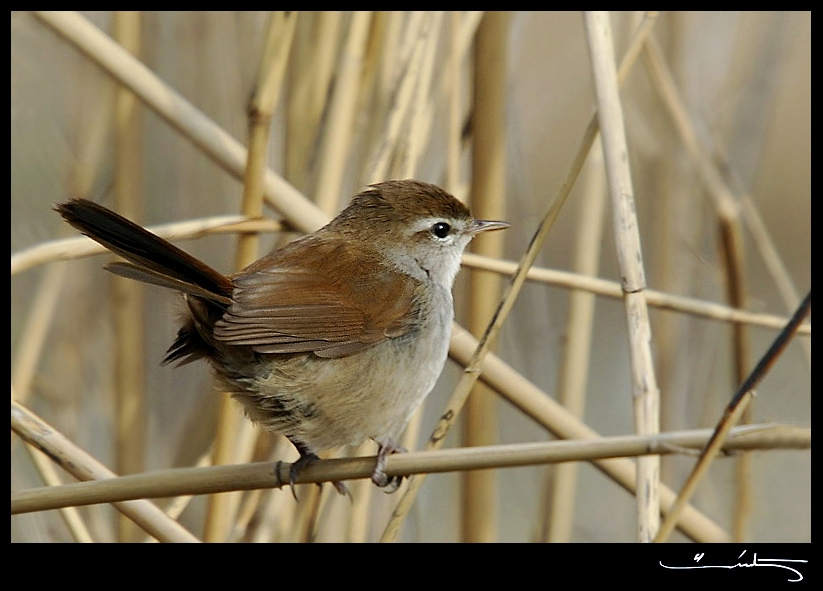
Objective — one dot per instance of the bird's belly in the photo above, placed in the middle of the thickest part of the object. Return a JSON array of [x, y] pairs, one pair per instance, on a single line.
[[329, 403]]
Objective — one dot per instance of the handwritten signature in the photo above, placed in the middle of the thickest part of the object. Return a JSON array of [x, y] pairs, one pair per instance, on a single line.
[[772, 562]]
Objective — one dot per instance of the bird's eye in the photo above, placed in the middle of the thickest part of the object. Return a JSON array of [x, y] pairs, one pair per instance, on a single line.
[[441, 229]]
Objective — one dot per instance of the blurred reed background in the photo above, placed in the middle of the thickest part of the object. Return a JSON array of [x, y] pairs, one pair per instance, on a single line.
[[494, 107]]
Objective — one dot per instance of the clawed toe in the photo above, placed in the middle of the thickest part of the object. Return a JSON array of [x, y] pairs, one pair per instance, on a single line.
[[306, 458], [379, 476], [386, 482], [297, 467]]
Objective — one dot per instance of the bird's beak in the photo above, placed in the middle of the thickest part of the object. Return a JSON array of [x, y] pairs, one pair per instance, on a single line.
[[486, 226]]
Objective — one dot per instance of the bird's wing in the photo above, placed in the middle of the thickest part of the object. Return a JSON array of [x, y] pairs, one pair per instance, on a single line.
[[325, 296]]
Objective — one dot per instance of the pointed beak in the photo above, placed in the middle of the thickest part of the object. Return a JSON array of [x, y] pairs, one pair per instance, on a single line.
[[486, 226]]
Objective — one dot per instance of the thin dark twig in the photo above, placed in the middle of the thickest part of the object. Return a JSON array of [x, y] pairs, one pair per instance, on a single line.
[[773, 353], [732, 414]]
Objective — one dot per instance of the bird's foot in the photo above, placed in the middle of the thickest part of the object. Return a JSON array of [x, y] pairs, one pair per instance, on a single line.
[[306, 458], [379, 476]]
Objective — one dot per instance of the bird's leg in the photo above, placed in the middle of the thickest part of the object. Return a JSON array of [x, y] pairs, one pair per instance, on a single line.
[[387, 447], [307, 457]]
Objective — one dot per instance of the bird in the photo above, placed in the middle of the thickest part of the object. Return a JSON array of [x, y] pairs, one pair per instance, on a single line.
[[335, 338]]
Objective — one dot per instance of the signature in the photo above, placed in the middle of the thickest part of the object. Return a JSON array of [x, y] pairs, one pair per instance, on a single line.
[[772, 562]]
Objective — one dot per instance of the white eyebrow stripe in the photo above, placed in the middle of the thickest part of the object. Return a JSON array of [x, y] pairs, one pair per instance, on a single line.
[[426, 223]]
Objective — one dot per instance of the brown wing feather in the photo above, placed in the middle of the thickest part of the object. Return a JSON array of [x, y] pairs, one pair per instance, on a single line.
[[295, 300]]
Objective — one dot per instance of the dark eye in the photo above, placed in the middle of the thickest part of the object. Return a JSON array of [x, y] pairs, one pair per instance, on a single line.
[[441, 229]]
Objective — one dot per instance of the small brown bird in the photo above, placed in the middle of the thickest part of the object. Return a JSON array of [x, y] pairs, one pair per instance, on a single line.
[[335, 338]]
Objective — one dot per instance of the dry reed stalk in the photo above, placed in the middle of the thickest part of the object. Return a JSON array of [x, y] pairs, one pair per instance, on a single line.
[[361, 505], [658, 299], [87, 169], [732, 414], [768, 252], [377, 47], [312, 70], [66, 249], [82, 466], [127, 296], [269, 84], [728, 204], [731, 209], [646, 396], [260, 476], [539, 406], [733, 260], [35, 331], [488, 189], [337, 137], [209, 137], [421, 116], [49, 295], [744, 496], [462, 28], [222, 508], [175, 507], [455, 125], [235, 436], [23, 367], [408, 109], [574, 365], [398, 107], [71, 517], [389, 66], [276, 517]]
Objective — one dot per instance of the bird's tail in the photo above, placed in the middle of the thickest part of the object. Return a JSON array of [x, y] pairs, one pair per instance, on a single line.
[[157, 261], [151, 259]]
